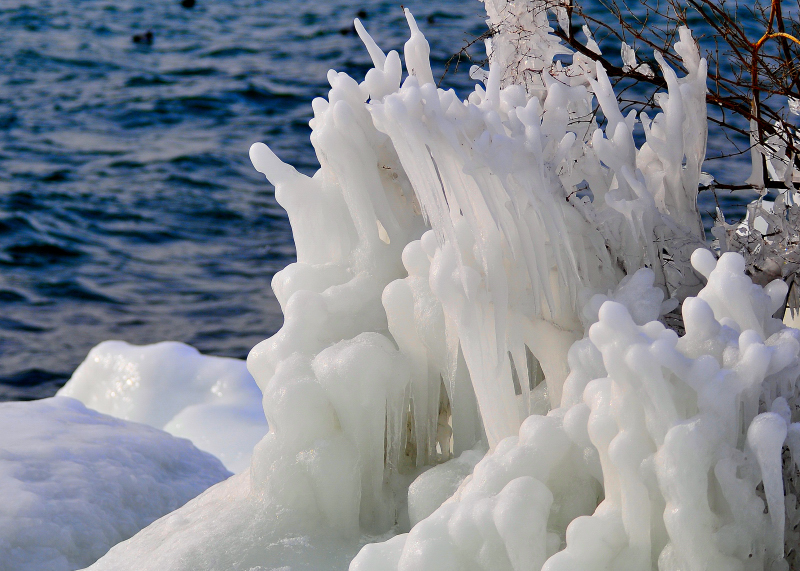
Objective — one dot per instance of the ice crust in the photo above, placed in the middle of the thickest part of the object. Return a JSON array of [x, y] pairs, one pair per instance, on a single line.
[[74, 482], [497, 272], [212, 401]]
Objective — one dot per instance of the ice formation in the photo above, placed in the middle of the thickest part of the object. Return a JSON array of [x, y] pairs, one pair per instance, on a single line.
[[74, 482], [212, 401], [653, 459], [497, 272]]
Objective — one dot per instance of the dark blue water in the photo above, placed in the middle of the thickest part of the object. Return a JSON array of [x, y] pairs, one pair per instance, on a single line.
[[128, 206]]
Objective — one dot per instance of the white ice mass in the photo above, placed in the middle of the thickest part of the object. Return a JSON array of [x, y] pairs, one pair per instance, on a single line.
[[212, 401], [74, 482], [500, 273]]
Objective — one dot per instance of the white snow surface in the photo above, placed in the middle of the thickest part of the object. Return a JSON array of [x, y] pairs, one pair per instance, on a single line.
[[74, 482], [212, 401]]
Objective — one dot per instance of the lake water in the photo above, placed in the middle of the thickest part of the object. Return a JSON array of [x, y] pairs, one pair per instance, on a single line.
[[128, 206]]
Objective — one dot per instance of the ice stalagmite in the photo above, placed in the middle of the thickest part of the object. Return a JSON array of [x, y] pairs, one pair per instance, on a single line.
[[493, 273]]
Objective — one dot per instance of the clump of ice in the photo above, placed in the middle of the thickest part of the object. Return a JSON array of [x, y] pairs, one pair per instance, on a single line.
[[514, 246], [212, 401], [74, 482], [492, 271], [436, 485], [655, 457], [317, 481]]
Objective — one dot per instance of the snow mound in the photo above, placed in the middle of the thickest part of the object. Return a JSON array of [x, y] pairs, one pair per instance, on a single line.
[[75, 482], [212, 401]]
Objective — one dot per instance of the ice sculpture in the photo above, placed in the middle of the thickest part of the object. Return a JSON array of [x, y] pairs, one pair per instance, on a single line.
[[493, 271], [212, 401]]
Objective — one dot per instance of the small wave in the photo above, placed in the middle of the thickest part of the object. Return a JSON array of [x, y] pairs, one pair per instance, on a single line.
[[191, 181], [56, 176], [8, 324], [31, 384], [262, 94], [194, 72], [202, 160], [221, 215], [146, 81], [37, 254], [11, 296], [71, 289], [231, 51], [205, 106], [8, 120], [12, 224], [142, 236], [28, 18]]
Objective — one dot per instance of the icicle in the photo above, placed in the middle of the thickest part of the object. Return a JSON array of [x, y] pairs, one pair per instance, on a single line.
[[417, 53]]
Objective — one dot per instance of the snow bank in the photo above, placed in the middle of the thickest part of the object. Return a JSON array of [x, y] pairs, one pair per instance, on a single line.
[[74, 482], [497, 271], [212, 401]]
